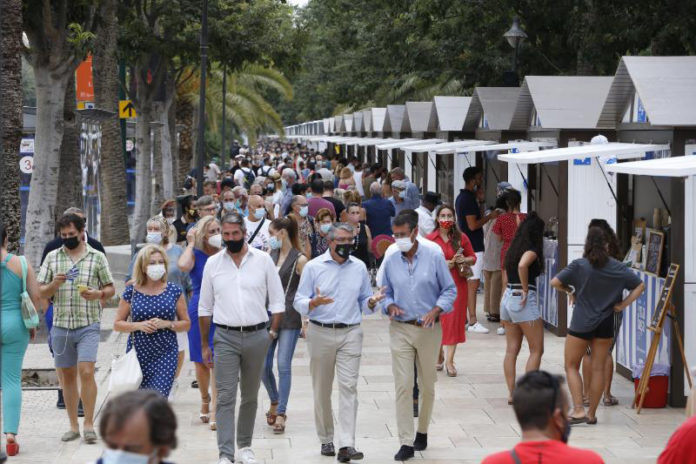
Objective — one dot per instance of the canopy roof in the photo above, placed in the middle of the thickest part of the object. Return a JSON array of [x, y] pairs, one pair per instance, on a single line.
[[358, 121], [482, 145], [666, 86], [619, 150], [496, 103], [678, 166], [367, 120], [418, 118], [449, 113], [394, 118], [406, 143], [378, 117], [561, 102], [448, 147]]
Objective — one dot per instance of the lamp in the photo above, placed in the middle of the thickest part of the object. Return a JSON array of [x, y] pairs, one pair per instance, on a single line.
[[514, 36]]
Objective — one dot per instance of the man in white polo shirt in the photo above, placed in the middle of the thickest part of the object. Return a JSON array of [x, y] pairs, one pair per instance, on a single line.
[[235, 285]]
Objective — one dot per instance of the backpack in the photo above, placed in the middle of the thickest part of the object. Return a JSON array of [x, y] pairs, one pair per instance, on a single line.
[[248, 178]]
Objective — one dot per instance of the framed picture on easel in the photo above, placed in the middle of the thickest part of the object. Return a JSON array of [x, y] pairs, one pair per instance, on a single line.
[[654, 242]]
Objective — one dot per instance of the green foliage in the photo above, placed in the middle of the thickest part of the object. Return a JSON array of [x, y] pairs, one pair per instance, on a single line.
[[384, 51]]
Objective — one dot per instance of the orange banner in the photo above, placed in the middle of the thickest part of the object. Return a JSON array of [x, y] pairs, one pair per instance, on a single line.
[[83, 76]]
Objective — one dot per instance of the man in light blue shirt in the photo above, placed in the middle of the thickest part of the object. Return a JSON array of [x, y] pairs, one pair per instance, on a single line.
[[418, 288], [334, 291], [411, 198]]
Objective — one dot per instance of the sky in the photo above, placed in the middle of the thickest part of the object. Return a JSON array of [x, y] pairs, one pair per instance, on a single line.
[[298, 2]]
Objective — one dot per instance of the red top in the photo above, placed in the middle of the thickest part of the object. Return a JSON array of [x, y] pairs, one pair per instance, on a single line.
[[448, 250], [506, 226], [545, 452], [681, 447]]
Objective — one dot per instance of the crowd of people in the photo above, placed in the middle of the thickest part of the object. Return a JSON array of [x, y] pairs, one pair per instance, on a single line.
[[289, 243]]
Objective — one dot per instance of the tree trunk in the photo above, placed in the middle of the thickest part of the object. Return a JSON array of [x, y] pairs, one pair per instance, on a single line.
[[10, 117], [70, 177], [171, 124], [114, 207], [166, 141], [184, 119], [143, 171], [39, 224], [157, 163]]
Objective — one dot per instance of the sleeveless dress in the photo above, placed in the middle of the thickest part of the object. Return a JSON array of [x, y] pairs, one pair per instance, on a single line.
[[194, 333], [157, 352], [15, 339], [291, 318]]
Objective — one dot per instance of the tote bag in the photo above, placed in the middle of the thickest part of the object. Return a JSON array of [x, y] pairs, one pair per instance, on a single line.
[[29, 314], [126, 374]]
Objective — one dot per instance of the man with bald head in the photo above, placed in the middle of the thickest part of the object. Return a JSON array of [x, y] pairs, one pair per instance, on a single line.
[[257, 223]]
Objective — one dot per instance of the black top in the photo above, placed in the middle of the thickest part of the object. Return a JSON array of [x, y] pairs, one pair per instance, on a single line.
[[338, 206], [181, 230], [288, 273], [360, 249], [534, 270], [58, 242], [466, 205]]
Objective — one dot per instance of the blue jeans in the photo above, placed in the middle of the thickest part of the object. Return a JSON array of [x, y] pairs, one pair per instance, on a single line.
[[286, 342]]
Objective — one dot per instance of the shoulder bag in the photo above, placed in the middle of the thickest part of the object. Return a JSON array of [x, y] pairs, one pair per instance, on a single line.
[[29, 314], [126, 374], [463, 269]]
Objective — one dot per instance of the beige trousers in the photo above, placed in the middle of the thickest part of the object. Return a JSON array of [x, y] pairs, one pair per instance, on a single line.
[[335, 351], [492, 291], [409, 344]]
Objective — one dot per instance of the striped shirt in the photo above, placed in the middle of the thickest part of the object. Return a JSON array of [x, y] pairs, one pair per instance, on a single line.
[[70, 310]]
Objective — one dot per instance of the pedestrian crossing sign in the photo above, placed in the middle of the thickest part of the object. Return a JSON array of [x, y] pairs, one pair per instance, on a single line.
[[126, 109]]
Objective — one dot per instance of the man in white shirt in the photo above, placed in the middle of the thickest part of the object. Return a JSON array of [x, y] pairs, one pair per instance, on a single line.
[[426, 222], [256, 224], [236, 283]]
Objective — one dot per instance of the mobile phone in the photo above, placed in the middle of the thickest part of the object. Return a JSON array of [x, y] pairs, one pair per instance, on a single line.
[[82, 288]]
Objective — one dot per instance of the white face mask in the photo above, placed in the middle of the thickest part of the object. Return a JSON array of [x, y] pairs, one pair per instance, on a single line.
[[156, 271], [112, 456], [215, 241], [170, 220], [154, 237], [404, 244]]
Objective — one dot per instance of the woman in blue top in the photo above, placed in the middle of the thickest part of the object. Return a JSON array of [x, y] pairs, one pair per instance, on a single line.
[[204, 240], [158, 310], [15, 338]]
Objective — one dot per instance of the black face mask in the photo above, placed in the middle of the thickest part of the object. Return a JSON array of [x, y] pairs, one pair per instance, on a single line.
[[344, 250], [270, 188], [234, 246], [71, 242]]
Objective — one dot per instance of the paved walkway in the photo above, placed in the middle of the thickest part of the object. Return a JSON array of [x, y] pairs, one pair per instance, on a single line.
[[471, 417]]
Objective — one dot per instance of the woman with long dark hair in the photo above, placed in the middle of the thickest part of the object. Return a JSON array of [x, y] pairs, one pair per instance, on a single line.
[[458, 251], [519, 311], [595, 283]]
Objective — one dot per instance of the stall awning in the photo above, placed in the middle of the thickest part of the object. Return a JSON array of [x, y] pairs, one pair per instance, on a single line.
[[522, 145], [678, 166], [406, 143], [618, 150], [379, 141], [448, 147]]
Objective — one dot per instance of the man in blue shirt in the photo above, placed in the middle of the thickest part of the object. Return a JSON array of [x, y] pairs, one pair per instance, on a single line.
[[418, 288], [334, 291], [379, 211], [412, 196]]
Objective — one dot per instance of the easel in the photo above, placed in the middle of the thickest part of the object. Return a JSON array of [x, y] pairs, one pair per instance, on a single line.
[[665, 308]]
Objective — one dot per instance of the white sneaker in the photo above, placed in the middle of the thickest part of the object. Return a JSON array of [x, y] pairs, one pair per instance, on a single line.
[[224, 460], [246, 456], [501, 330], [478, 328]]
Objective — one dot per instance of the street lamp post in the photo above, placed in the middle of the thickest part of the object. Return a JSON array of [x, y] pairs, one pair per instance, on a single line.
[[201, 115], [515, 36]]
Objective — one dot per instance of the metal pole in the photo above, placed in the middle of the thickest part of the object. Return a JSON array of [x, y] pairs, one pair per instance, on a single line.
[[223, 154], [201, 105], [514, 62]]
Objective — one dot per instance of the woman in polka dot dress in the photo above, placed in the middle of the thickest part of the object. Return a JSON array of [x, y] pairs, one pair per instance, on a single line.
[[158, 310]]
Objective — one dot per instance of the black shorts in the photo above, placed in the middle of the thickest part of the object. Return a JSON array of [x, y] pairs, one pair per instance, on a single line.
[[605, 329]]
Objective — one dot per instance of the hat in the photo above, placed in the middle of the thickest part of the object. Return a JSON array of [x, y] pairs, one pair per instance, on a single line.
[[502, 186], [432, 198], [399, 185], [239, 157]]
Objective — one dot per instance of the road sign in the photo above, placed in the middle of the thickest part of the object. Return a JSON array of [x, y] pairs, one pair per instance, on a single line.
[[26, 164], [126, 109]]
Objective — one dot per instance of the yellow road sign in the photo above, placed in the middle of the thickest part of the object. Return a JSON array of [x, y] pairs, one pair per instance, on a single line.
[[126, 109]]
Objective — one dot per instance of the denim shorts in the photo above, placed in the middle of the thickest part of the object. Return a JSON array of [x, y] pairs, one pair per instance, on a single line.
[[73, 346], [511, 309]]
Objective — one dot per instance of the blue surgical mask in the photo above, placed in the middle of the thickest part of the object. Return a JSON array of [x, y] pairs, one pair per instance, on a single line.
[[260, 213], [309, 195], [275, 243], [228, 205], [112, 456], [154, 238], [304, 211], [284, 184], [326, 228], [402, 194]]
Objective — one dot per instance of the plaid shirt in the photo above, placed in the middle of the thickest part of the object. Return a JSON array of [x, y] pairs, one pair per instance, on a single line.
[[70, 310]]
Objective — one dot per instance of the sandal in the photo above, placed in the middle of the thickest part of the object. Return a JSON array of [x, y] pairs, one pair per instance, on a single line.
[[451, 372], [578, 420], [439, 366], [611, 401], [12, 446], [205, 416], [213, 426], [279, 426], [271, 414]]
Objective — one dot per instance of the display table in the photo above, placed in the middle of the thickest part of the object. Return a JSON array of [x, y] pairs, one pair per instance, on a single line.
[[548, 296], [633, 341]]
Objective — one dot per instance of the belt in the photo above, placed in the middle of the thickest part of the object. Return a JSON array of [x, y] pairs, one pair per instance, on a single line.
[[519, 287], [243, 328], [416, 322], [336, 325]]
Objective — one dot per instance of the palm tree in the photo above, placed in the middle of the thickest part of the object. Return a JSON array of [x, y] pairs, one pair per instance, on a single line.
[[114, 223], [411, 87], [11, 116]]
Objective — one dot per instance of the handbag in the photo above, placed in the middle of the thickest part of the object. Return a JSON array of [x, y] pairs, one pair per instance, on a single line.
[[463, 269], [29, 314], [126, 373]]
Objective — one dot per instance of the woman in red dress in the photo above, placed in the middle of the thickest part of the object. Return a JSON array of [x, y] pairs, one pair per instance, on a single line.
[[457, 250], [506, 225]]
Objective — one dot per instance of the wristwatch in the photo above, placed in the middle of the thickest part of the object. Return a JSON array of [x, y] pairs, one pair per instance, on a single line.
[[273, 333]]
